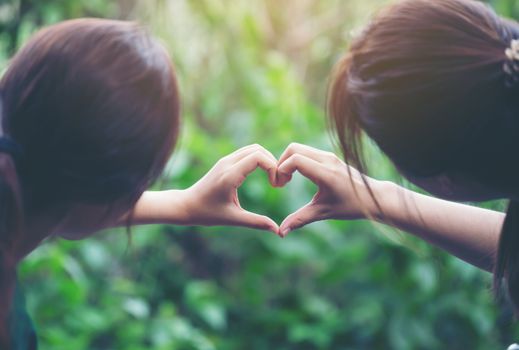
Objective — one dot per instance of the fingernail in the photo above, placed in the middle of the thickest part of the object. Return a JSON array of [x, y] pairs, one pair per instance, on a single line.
[[285, 232]]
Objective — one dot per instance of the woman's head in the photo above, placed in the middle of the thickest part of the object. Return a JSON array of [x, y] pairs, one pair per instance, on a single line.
[[425, 81], [430, 82], [93, 106]]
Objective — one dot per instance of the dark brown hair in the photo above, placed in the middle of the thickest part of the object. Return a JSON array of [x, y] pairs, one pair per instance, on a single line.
[[93, 106], [425, 81]]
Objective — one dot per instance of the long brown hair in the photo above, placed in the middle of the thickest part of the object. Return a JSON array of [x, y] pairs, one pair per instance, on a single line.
[[93, 106], [425, 81]]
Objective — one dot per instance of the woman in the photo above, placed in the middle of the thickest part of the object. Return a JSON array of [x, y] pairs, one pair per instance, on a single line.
[[90, 114], [436, 85]]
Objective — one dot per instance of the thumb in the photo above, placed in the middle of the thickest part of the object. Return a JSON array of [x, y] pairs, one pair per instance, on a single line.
[[304, 216], [241, 217]]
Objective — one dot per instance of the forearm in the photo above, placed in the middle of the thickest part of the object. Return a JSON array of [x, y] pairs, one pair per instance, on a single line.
[[161, 207], [468, 232]]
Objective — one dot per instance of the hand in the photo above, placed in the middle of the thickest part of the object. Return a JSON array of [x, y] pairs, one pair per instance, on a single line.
[[343, 191], [213, 200]]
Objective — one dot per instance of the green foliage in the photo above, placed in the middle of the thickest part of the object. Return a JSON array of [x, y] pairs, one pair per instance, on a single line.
[[251, 71]]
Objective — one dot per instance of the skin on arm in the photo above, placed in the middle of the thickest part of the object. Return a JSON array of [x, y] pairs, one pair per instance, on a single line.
[[213, 200], [468, 232], [156, 207]]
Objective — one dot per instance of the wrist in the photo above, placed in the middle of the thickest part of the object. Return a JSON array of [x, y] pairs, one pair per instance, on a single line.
[[189, 204], [384, 196]]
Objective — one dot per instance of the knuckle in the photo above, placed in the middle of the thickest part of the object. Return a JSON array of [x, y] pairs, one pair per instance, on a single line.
[[257, 154], [333, 157], [226, 158], [221, 162], [338, 163], [293, 146]]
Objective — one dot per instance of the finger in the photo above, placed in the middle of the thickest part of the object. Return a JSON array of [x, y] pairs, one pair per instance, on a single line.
[[245, 151], [297, 148], [310, 152], [251, 162], [306, 166], [245, 218], [304, 216]]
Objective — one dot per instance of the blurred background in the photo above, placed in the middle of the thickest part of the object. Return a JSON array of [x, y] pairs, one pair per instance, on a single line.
[[251, 71]]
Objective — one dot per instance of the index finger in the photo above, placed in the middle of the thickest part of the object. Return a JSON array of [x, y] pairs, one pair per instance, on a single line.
[[297, 148], [251, 162], [308, 167]]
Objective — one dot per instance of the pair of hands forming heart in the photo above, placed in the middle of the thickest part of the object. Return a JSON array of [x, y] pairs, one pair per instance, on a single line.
[[342, 193]]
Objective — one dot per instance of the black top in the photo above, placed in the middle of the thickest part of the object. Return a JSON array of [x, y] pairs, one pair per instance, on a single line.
[[21, 328]]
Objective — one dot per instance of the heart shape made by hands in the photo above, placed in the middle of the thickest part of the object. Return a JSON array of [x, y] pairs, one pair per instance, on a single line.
[[323, 169], [257, 197], [337, 197], [342, 191]]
